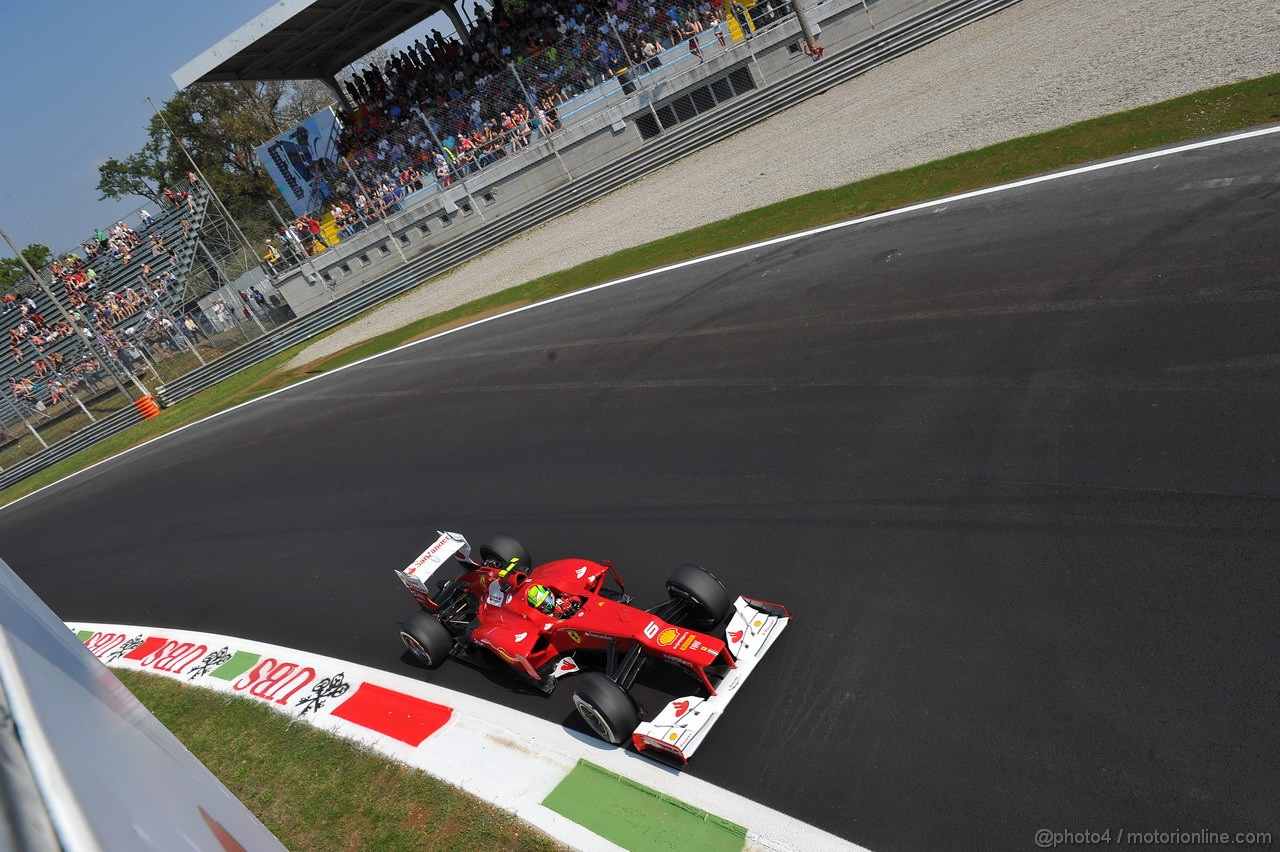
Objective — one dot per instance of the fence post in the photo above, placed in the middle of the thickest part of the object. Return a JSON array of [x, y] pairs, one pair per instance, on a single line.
[[384, 217], [462, 179], [301, 258], [70, 321], [648, 101], [18, 411], [534, 106], [227, 283]]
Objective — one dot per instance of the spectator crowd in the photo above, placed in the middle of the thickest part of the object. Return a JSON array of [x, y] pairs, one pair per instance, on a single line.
[[445, 106]]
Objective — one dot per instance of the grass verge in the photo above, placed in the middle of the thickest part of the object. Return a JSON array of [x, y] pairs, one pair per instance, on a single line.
[[1214, 111], [316, 791]]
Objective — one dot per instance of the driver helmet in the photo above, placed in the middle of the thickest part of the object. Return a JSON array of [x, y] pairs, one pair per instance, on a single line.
[[540, 598]]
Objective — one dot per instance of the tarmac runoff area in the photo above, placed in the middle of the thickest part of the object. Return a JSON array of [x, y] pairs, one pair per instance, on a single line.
[[1036, 66], [575, 788]]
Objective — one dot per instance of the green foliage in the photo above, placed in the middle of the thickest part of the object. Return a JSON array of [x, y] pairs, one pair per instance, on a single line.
[[317, 792], [220, 124], [13, 275]]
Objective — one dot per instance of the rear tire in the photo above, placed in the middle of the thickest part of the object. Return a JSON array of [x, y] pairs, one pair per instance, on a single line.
[[707, 600], [504, 549], [427, 639], [607, 709]]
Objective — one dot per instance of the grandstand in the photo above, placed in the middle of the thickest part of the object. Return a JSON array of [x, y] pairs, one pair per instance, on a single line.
[[130, 301], [455, 140], [510, 108]]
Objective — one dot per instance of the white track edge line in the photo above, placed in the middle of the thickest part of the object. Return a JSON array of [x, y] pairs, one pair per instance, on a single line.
[[772, 241]]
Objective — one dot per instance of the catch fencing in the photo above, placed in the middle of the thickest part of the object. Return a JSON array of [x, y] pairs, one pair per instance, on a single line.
[[915, 24]]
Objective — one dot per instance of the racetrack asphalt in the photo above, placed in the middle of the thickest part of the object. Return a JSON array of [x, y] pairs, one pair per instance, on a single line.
[[1010, 461]]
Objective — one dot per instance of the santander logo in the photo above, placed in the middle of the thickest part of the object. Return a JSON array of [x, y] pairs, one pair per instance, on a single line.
[[682, 707], [735, 637]]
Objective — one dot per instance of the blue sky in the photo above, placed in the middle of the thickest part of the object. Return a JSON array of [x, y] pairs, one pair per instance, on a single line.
[[73, 92]]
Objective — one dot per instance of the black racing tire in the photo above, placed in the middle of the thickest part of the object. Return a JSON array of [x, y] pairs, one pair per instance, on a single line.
[[607, 708], [429, 641], [705, 596], [504, 548]]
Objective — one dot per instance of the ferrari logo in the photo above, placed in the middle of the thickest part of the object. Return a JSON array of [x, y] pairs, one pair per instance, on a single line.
[[575, 636]]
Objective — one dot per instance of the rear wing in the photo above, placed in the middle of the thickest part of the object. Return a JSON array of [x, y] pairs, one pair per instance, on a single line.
[[683, 724], [415, 576]]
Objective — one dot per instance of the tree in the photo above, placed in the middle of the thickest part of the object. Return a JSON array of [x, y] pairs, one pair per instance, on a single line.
[[13, 275], [220, 124], [137, 175]]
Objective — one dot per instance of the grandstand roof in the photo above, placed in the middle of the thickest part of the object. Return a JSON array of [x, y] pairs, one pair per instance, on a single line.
[[305, 39]]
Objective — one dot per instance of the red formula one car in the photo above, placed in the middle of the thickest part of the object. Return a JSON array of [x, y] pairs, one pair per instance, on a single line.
[[548, 622]]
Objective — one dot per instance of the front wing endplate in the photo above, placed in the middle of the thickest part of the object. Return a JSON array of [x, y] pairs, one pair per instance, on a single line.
[[683, 724]]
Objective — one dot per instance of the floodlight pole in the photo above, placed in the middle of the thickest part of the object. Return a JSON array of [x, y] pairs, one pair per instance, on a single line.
[[208, 186], [803, 18], [106, 362]]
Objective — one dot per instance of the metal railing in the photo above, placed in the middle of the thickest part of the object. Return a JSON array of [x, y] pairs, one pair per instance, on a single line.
[[884, 44]]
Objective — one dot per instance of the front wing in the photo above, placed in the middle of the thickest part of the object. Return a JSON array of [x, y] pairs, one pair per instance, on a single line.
[[683, 724]]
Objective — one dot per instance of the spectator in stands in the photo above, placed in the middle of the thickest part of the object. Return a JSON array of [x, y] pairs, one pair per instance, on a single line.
[[193, 329], [317, 234], [145, 218], [814, 51]]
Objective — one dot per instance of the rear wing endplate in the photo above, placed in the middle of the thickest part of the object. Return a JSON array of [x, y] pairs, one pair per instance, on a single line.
[[417, 573]]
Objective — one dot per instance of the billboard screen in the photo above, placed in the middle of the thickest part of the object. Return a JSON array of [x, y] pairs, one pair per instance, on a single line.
[[304, 161]]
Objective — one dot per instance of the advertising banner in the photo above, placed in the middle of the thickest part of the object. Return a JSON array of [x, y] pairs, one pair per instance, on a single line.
[[304, 161]]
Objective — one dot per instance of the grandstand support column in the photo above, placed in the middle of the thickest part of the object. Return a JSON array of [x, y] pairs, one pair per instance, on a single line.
[[462, 179], [25, 422], [464, 32], [207, 186], [386, 226], [533, 109], [66, 316], [331, 80]]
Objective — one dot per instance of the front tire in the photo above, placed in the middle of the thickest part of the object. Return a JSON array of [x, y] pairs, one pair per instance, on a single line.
[[427, 639], [606, 708], [707, 601]]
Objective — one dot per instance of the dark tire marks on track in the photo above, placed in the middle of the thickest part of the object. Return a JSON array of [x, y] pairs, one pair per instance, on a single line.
[[1011, 461]]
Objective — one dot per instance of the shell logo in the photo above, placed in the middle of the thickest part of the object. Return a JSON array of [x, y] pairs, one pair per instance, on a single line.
[[673, 736], [668, 636]]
